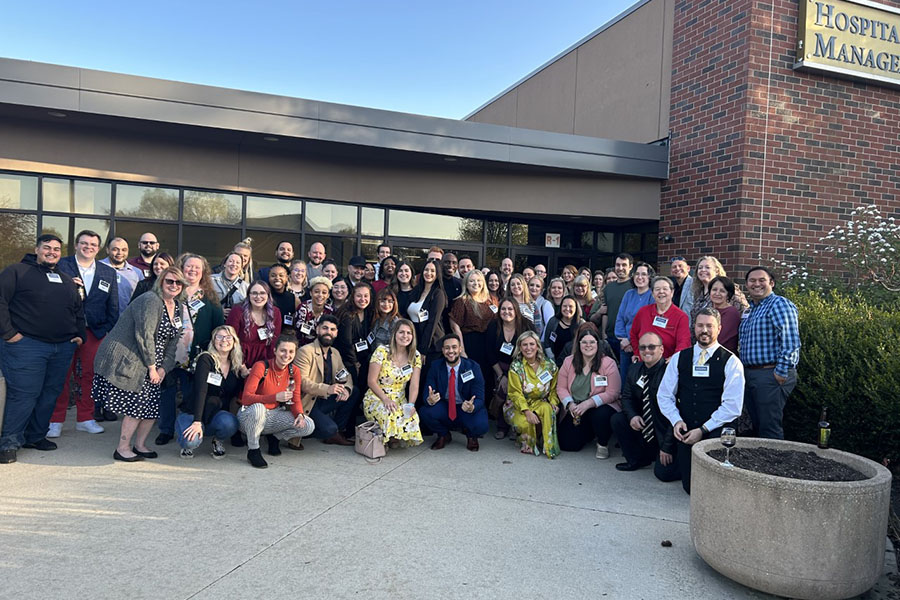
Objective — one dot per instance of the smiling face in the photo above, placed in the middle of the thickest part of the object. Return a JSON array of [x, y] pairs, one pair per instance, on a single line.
[[662, 293], [339, 290], [589, 346], [568, 308], [404, 274], [233, 265], [651, 348], [541, 271], [528, 348], [245, 255], [223, 340], [535, 286], [580, 289], [719, 295], [48, 253], [706, 330], [404, 336], [285, 252], [278, 279], [160, 265], [622, 268], [319, 294], [679, 269], [326, 332], [506, 267], [759, 284], [450, 350], [258, 296], [429, 273], [298, 273], [87, 247], [449, 264], [386, 305], [117, 249], [361, 297], [330, 271], [284, 354], [148, 245], [557, 290], [611, 276], [568, 275], [171, 285], [465, 265], [316, 254], [474, 283], [507, 311], [641, 278], [388, 268], [598, 281], [383, 252], [515, 287], [493, 282], [706, 271], [193, 271]]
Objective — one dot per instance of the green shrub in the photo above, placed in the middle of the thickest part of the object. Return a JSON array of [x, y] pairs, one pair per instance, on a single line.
[[849, 362]]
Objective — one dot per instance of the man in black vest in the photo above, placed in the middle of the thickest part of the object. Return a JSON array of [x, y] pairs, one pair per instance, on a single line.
[[708, 382]]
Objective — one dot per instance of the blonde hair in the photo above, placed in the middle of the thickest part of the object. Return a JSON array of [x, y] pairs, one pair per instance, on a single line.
[[526, 295], [582, 280], [717, 271], [235, 356], [411, 348], [517, 355], [484, 295], [320, 280]]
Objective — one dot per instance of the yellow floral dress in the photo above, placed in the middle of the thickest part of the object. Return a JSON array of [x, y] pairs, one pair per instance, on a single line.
[[526, 391], [393, 382]]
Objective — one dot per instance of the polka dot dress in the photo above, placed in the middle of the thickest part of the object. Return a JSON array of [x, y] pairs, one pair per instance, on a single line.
[[145, 403]]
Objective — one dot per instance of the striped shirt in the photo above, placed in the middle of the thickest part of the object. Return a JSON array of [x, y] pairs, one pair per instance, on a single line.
[[770, 334]]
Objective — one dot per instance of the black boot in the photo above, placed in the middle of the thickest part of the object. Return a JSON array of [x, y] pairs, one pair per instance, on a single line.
[[256, 459], [237, 440], [274, 449]]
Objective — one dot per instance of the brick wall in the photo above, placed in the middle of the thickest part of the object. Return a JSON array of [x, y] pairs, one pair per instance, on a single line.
[[739, 184]]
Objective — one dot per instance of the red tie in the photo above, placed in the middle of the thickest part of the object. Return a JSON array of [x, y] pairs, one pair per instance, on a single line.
[[451, 395]]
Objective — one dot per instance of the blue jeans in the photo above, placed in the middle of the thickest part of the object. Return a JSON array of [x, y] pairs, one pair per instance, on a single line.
[[331, 416], [35, 372], [167, 398], [222, 426]]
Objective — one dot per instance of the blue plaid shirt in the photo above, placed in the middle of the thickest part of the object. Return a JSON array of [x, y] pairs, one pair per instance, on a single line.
[[770, 334]]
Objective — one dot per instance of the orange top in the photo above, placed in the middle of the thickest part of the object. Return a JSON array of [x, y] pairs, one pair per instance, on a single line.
[[262, 391]]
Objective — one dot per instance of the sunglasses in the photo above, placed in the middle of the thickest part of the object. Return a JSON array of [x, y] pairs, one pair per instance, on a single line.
[[651, 347], [173, 282]]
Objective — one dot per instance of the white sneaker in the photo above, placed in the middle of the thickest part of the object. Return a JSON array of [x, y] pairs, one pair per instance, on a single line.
[[602, 452], [185, 453], [54, 430], [89, 426]]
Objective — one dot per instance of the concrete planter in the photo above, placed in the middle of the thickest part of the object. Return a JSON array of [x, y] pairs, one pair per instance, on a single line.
[[800, 539]]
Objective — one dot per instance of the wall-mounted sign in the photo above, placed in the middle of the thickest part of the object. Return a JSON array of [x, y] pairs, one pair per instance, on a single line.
[[551, 240], [852, 38]]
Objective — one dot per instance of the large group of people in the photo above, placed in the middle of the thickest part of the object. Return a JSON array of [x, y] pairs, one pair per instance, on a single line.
[[297, 349]]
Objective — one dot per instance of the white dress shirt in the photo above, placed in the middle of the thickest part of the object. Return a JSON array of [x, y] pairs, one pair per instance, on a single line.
[[87, 275], [732, 394]]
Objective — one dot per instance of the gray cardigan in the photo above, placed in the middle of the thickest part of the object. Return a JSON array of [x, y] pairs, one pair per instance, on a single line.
[[129, 349]]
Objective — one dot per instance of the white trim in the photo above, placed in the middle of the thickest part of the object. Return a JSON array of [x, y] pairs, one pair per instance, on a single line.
[[857, 75]]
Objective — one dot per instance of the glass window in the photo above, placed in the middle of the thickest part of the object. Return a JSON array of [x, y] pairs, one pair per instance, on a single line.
[[631, 243], [370, 249], [651, 241], [166, 233], [475, 255], [405, 223], [373, 221], [605, 241], [274, 213], [212, 242], [412, 254], [496, 232], [146, 202], [67, 195], [17, 191], [338, 249], [493, 256], [212, 207], [19, 232], [534, 234], [587, 239], [331, 218], [67, 227], [530, 260]]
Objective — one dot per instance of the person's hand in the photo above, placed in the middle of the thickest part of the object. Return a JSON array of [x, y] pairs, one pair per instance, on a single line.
[[78, 281], [155, 379], [779, 378], [571, 408], [243, 372], [194, 431], [390, 405], [637, 423], [635, 358], [680, 430], [284, 396], [412, 410], [583, 407], [532, 418], [226, 311], [469, 405], [433, 397], [665, 458], [16, 338], [625, 344], [300, 421], [340, 391], [161, 372], [503, 384], [76, 340]]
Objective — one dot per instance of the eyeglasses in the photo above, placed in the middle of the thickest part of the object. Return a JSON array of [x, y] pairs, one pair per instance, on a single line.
[[173, 282], [149, 243], [224, 338], [651, 347], [258, 294]]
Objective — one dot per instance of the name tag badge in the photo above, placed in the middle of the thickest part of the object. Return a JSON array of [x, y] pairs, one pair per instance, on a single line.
[[423, 315], [701, 370], [177, 322], [507, 348], [54, 278], [642, 381], [196, 305], [306, 328], [600, 381], [103, 285], [146, 273], [545, 377], [341, 375], [371, 337], [552, 336], [745, 314], [288, 319], [361, 346], [118, 278], [406, 370], [494, 309], [467, 376], [263, 333], [214, 379], [660, 321]]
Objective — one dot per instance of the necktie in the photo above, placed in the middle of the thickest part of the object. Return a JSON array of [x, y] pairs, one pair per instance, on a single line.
[[702, 360], [646, 412], [451, 395], [327, 369]]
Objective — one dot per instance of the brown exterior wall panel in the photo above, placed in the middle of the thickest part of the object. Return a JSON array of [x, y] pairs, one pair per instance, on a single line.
[[547, 100]]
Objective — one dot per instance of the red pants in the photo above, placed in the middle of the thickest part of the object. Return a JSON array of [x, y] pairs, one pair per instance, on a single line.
[[84, 404]]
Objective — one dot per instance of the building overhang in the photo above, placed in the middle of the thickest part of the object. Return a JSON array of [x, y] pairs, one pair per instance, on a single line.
[[89, 98]]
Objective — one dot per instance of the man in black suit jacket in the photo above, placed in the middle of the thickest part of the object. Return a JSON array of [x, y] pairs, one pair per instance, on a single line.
[[456, 403]]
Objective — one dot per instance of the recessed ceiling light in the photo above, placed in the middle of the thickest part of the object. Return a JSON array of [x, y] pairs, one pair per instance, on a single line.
[[57, 114], [270, 138]]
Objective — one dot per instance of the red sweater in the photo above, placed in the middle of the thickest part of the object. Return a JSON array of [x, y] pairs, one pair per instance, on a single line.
[[676, 335], [262, 391]]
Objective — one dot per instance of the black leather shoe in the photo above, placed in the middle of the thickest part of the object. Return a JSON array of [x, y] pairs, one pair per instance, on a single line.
[[7, 456], [118, 456], [237, 440], [151, 454], [630, 466], [164, 438], [42, 444], [109, 415], [274, 448], [255, 458]]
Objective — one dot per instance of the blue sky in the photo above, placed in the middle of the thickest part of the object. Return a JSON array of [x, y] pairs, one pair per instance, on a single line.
[[442, 59]]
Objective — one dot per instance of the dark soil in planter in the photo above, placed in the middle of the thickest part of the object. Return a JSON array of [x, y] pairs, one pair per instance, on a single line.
[[789, 463]]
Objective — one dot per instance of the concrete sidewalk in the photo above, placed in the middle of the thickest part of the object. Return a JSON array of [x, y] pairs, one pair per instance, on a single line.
[[324, 523]]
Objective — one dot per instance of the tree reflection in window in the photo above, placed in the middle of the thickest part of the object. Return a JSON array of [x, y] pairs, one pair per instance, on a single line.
[[146, 202], [18, 232]]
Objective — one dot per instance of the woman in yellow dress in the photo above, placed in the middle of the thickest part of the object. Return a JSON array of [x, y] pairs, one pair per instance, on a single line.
[[532, 403], [386, 401]]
